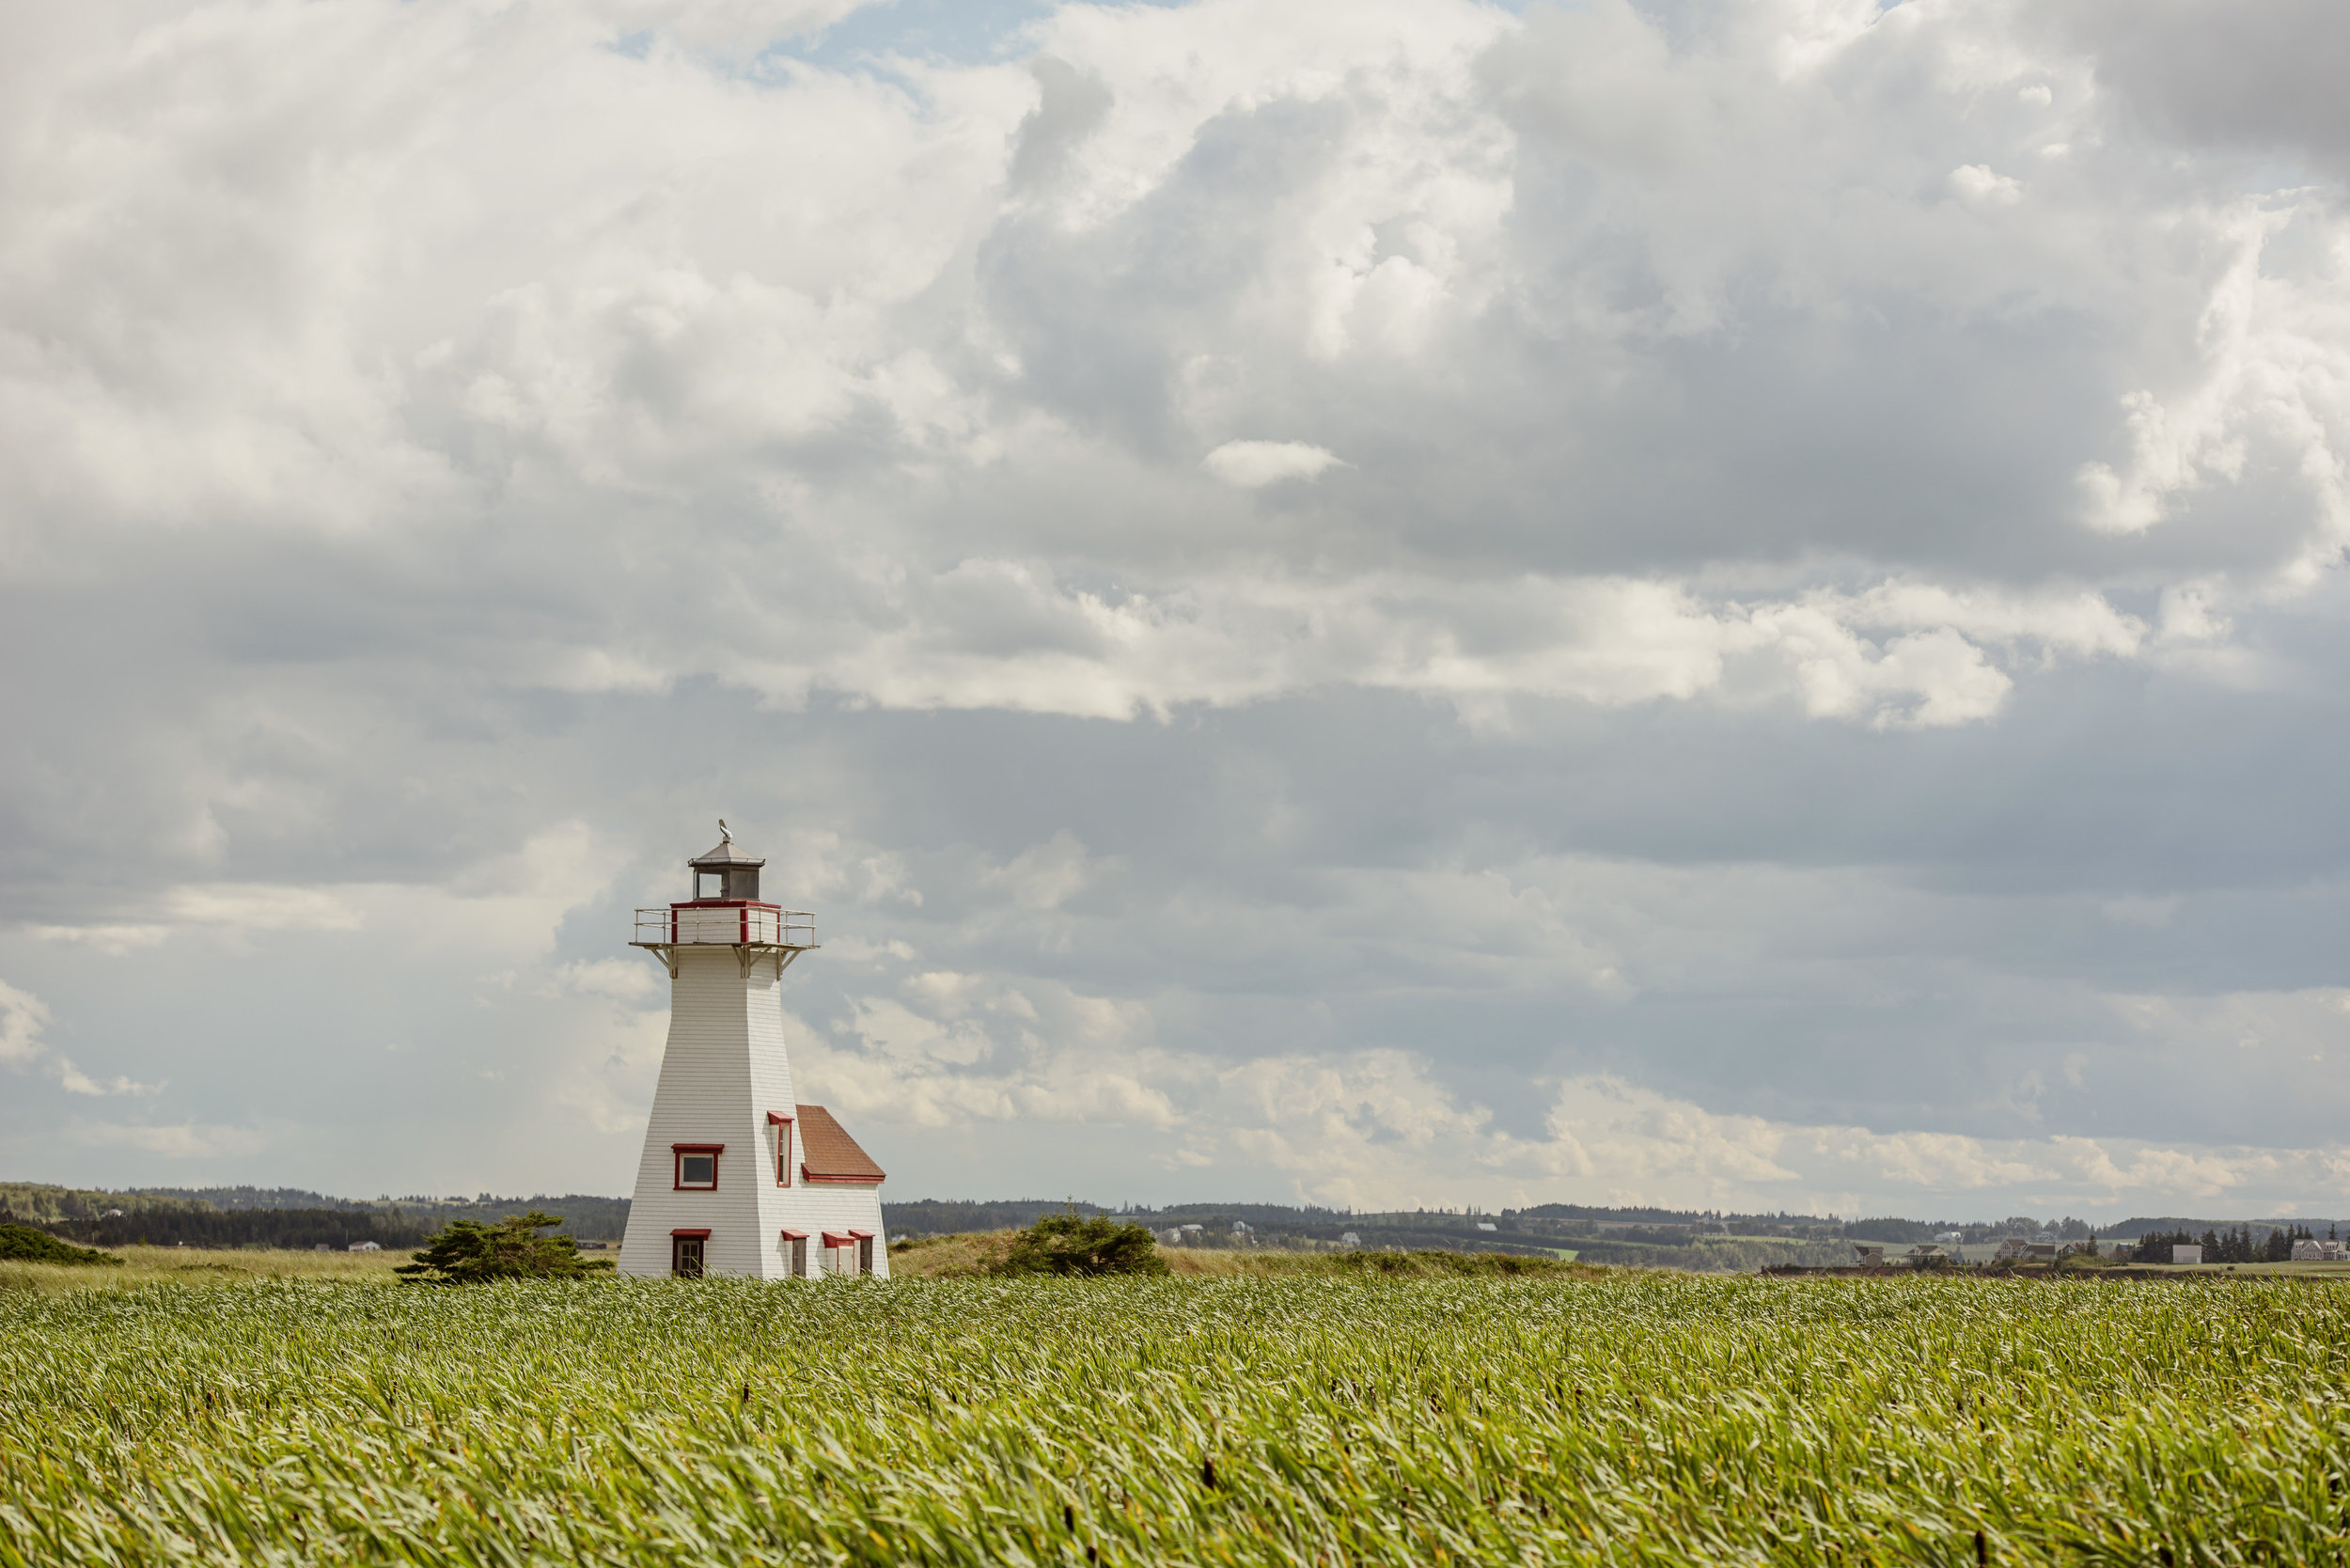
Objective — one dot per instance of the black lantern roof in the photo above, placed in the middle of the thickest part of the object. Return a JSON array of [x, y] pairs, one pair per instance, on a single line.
[[728, 855]]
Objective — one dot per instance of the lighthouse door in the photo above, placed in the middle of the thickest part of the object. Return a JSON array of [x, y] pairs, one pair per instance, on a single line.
[[685, 1257]]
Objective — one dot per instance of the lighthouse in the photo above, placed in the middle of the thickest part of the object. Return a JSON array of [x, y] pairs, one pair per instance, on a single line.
[[737, 1176]]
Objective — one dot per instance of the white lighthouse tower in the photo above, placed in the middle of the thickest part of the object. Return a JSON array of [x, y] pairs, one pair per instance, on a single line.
[[738, 1176]]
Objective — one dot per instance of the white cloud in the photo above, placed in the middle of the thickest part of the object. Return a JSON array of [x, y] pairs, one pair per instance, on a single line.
[[23, 1017], [114, 941], [510, 903], [1253, 464], [1609, 641], [2309, 1024], [630, 981], [185, 1140], [1377, 1129], [1826, 479], [259, 907], [1047, 875], [1978, 186]]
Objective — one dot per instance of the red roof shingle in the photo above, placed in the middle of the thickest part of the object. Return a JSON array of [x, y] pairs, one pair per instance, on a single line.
[[827, 1152]]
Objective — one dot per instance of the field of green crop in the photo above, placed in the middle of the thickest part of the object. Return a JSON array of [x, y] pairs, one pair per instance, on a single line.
[[1642, 1419]]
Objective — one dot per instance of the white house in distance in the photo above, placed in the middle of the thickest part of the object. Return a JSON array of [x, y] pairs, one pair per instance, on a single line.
[[738, 1176]]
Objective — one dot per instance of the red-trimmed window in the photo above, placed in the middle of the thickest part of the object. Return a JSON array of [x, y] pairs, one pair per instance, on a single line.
[[686, 1249], [697, 1166], [782, 1124], [796, 1242]]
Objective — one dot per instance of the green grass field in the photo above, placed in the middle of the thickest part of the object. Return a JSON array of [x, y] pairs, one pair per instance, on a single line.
[[1310, 1419]]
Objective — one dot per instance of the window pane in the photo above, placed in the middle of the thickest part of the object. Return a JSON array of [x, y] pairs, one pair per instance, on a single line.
[[713, 884], [700, 1170]]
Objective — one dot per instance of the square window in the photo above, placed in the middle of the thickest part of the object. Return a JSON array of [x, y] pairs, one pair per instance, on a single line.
[[709, 885], [696, 1169]]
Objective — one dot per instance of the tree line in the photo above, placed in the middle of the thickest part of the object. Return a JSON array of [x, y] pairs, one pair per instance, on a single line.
[[2236, 1246]]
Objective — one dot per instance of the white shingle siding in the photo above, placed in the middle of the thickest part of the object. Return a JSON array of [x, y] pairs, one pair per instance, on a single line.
[[724, 1071]]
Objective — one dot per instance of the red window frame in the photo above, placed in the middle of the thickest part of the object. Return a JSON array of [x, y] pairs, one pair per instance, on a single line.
[[795, 1254], [677, 1167], [676, 1254], [783, 1148]]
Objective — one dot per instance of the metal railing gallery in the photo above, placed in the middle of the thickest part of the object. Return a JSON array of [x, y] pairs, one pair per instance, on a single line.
[[732, 924]]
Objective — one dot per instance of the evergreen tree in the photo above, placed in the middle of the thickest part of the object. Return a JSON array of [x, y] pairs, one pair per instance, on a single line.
[[469, 1253], [26, 1244], [1083, 1244]]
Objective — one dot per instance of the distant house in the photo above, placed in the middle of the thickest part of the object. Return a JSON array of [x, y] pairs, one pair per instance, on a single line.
[[1350, 1240], [2183, 1253], [1923, 1256], [1240, 1227], [1950, 1238], [2042, 1252], [1192, 1231], [367, 1246], [1869, 1255], [1172, 1235], [1487, 1225], [2014, 1247], [2306, 1251]]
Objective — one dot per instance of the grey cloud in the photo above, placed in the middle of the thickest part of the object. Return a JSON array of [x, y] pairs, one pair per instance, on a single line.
[[2263, 78], [1781, 592]]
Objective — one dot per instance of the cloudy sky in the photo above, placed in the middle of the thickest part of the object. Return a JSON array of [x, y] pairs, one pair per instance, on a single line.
[[1362, 601]]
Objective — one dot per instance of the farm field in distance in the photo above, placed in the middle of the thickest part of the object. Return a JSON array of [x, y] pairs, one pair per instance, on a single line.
[[1636, 1418]]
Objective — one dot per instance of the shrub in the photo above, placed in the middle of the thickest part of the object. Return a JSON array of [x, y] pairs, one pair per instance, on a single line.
[[469, 1253], [22, 1244], [1082, 1244]]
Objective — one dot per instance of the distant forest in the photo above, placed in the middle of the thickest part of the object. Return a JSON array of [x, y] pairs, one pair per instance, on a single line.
[[1677, 1238], [1666, 1238], [280, 1217]]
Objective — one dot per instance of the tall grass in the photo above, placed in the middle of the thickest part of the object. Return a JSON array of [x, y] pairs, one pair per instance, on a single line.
[[200, 1265], [1321, 1419]]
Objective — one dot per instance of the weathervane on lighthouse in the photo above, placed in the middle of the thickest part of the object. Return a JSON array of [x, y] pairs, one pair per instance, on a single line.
[[737, 1177]]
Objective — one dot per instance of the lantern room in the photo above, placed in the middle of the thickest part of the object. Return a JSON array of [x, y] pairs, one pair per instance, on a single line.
[[725, 910], [726, 873]]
